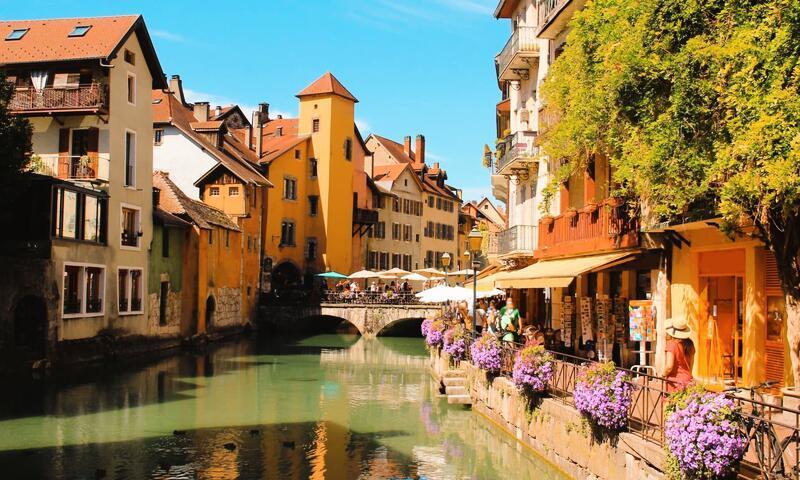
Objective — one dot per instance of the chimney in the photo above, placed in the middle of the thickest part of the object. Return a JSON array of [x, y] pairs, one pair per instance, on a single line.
[[263, 111], [407, 145], [176, 87], [371, 171], [217, 110], [421, 149], [201, 111], [156, 196], [248, 136]]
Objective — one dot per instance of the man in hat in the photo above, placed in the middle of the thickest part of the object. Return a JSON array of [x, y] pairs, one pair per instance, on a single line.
[[680, 355]]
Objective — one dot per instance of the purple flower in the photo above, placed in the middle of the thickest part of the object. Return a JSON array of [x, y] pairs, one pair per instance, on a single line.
[[533, 369], [604, 395], [703, 434], [425, 326], [455, 342], [435, 333], [485, 353]]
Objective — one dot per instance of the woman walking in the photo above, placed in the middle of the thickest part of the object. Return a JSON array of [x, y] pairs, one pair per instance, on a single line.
[[680, 355]]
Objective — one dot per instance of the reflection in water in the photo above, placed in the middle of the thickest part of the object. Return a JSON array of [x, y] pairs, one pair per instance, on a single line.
[[330, 406]]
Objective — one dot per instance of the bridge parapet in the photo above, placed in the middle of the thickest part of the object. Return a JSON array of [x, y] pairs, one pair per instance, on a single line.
[[371, 319]]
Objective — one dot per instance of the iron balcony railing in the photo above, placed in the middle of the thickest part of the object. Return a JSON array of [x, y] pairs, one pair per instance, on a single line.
[[548, 8], [89, 167], [88, 97], [523, 40], [493, 243], [365, 216], [519, 145], [519, 238]]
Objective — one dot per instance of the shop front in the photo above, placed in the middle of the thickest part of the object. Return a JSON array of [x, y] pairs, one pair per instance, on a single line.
[[728, 290]]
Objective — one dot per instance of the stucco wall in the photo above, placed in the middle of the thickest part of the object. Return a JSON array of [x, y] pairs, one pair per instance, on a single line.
[[182, 158]]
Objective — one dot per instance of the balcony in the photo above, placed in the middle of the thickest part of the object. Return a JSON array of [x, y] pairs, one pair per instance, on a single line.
[[554, 15], [86, 168], [518, 55], [363, 220], [604, 227], [80, 99], [492, 244], [518, 152], [500, 187], [517, 239]]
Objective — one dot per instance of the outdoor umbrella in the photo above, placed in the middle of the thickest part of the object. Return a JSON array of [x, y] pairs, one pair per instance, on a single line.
[[443, 293], [395, 272], [490, 293], [363, 274], [415, 277], [466, 272], [331, 275], [430, 272]]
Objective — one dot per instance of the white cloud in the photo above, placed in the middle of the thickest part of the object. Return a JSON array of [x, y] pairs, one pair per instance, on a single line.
[[221, 100], [169, 36], [363, 126]]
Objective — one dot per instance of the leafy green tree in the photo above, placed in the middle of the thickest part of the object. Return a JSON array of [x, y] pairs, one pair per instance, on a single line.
[[15, 144], [696, 104]]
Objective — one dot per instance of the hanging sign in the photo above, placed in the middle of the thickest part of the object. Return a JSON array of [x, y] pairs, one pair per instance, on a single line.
[[641, 318]]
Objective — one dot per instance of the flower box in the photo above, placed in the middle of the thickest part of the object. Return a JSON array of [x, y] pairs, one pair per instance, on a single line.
[[614, 202], [547, 220], [570, 214], [590, 208]]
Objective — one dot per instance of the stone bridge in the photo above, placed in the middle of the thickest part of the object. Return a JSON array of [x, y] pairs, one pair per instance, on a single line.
[[371, 319]]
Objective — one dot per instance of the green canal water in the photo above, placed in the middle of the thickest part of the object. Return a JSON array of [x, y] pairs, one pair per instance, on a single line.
[[328, 406]]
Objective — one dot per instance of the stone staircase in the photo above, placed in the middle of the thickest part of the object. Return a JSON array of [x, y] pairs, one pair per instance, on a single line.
[[454, 384]]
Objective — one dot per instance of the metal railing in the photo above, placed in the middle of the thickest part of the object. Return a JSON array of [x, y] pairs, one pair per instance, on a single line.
[[600, 221], [88, 167], [522, 40], [370, 298], [93, 96], [517, 146], [493, 243], [549, 8], [517, 238], [646, 416]]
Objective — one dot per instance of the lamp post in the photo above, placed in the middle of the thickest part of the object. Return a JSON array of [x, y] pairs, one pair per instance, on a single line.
[[475, 238], [445, 264]]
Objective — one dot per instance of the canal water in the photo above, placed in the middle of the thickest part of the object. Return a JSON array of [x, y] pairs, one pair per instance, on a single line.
[[328, 406]]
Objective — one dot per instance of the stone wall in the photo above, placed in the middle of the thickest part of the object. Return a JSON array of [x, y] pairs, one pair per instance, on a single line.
[[173, 323], [228, 309], [557, 431]]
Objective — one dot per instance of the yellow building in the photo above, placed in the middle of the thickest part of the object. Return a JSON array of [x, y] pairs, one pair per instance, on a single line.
[[315, 162]]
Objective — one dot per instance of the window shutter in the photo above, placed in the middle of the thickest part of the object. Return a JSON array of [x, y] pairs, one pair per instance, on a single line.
[[63, 153]]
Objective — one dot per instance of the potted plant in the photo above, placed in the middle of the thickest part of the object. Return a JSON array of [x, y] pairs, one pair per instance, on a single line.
[[590, 207], [485, 353], [604, 395], [533, 370], [571, 213], [455, 343], [614, 202], [703, 434], [547, 220]]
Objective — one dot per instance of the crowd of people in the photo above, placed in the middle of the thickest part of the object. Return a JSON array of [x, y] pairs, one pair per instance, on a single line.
[[352, 290], [497, 316]]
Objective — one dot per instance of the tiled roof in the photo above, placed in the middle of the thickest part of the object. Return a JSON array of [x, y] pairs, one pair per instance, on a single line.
[[388, 172], [234, 155], [174, 201], [165, 218], [274, 145], [325, 85], [49, 41], [432, 187]]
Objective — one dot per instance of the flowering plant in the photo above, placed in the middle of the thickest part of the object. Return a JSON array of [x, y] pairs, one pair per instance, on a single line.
[[604, 395], [455, 342], [426, 324], [435, 333], [703, 434], [533, 369], [485, 353]]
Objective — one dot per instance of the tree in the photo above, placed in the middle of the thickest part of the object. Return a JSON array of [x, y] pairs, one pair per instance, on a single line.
[[15, 145], [696, 103]]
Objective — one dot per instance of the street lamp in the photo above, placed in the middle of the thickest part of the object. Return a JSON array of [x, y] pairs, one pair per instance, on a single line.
[[445, 264], [474, 239]]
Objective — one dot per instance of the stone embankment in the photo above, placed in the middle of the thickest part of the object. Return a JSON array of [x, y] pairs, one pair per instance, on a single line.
[[553, 429]]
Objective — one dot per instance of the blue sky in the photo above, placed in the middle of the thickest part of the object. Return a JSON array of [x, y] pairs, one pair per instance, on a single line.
[[417, 66]]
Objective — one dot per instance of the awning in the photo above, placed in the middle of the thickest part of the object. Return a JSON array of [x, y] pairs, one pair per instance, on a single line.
[[485, 284], [560, 273]]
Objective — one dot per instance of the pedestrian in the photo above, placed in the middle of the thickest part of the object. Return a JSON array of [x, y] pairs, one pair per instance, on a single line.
[[680, 355], [492, 319], [509, 321], [480, 317]]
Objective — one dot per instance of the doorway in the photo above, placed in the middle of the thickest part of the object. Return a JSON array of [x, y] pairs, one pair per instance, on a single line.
[[724, 327], [211, 305]]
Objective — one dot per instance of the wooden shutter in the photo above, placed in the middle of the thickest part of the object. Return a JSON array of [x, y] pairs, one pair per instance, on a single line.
[[773, 283], [94, 147], [63, 153], [775, 354]]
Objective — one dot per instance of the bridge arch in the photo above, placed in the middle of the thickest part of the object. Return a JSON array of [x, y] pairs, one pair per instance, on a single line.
[[325, 323], [402, 327]]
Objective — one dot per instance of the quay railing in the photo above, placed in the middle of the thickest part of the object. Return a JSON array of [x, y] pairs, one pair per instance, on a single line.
[[370, 298], [773, 434]]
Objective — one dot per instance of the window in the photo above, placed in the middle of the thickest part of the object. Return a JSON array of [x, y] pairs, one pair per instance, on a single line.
[[289, 188], [165, 241], [130, 227], [406, 262], [213, 191], [348, 149], [315, 125], [84, 287], [92, 218], [130, 291], [407, 233], [66, 80], [233, 191], [380, 230], [430, 201], [17, 33], [131, 89], [397, 260], [438, 203], [227, 238], [428, 259], [297, 154], [130, 159], [313, 205], [395, 231], [312, 164], [130, 57], [79, 30], [158, 136], [384, 261], [287, 234], [211, 236], [396, 205], [311, 249], [372, 261]]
